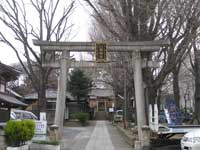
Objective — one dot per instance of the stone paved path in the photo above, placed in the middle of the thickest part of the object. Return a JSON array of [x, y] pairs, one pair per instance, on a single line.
[[101, 137]]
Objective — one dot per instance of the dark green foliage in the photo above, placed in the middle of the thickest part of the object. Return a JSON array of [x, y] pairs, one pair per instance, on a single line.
[[82, 117], [19, 131], [47, 142], [79, 84]]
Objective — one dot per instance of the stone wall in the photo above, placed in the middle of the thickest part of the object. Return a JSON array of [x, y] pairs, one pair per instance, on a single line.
[[35, 146], [129, 136]]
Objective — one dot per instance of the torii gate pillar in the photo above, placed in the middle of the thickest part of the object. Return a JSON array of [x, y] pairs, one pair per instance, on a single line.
[[61, 95], [139, 95]]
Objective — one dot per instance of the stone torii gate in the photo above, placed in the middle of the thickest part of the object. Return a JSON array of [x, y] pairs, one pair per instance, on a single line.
[[136, 48]]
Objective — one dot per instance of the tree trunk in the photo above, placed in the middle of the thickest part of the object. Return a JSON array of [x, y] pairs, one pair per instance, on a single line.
[[42, 92], [42, 99], [176, 86], [197, 83], [152, 95], [150, 91]]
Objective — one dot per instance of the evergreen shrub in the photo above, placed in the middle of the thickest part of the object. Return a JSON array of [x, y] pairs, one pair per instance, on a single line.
[[82, 117], [17, 132], [47, 142]]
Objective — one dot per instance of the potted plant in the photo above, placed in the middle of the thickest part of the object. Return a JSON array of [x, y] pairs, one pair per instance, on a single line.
[[18, 132], [45, 145]]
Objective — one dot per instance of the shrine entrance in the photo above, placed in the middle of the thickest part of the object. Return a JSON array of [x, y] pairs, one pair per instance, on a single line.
[[101, 106], [134, 48]]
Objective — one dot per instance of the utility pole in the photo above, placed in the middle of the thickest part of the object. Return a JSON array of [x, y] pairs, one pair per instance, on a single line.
[[125, 97]]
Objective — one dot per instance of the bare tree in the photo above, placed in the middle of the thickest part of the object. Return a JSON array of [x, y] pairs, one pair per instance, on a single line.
[[195, 64], [38, 19], [128, 20]]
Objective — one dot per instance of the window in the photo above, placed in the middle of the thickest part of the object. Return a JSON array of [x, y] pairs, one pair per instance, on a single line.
[[18, 115], [51, 105], [27, 116]]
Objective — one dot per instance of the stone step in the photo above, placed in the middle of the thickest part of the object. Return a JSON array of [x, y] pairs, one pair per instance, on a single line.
[[101, 115]]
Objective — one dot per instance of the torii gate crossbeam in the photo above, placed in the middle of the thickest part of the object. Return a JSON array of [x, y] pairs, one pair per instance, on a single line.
[[143, 46]]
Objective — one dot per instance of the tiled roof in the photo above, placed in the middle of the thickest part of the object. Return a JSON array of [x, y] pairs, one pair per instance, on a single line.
[[11, 100], [50, 94], [102, 92], [8, 72]]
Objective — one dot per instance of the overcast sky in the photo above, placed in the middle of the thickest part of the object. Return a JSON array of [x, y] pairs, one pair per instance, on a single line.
[[81, 19]]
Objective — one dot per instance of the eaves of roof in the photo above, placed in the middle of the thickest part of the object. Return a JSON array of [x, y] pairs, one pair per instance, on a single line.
[[11, 100]]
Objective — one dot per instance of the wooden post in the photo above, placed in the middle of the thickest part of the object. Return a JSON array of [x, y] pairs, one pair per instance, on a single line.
[[125, 99], [105, 108], [97, 106]]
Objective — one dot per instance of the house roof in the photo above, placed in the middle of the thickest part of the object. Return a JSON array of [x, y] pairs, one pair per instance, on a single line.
[[50, 94], [10, 100], [101, 93], [8, 72], [14, 93]]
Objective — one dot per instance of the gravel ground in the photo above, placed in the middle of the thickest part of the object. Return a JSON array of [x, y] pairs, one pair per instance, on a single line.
[[76, 138]]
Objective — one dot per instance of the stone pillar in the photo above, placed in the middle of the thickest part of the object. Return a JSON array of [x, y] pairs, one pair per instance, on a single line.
[[53, 133], [139, 95], [146, 137], [61, 93]]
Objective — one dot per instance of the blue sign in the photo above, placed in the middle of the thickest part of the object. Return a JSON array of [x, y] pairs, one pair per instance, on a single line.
[[175, 115]]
